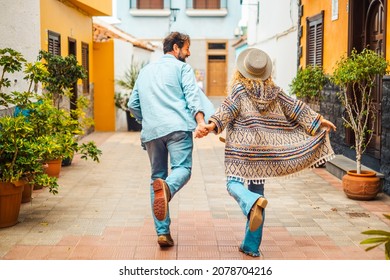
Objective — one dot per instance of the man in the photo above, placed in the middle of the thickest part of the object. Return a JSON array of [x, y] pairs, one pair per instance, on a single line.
[[166, 99]]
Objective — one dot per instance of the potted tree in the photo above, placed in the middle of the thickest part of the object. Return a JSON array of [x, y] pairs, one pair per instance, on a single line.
[[308, 84], [356, 76], [65, 126], [127, 83]]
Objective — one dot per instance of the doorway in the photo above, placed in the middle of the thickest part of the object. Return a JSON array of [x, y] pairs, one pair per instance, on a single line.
[[72, 50], [367, 29], [216, 68]]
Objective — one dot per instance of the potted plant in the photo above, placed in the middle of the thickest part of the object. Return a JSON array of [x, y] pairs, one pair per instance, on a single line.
[[54, 129], [65, 126], [20, 152], [308, 84], [20, 162], [381, 237], [356, 76], [121, 99]]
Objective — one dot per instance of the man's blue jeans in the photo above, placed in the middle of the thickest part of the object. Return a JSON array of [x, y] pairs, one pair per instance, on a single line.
[[245, 198], [177, 147]]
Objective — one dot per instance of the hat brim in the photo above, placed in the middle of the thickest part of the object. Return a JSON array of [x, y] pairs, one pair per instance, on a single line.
[[241, 68]]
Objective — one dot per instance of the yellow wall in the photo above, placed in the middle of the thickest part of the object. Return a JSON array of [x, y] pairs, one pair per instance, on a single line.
[[104, 107], [93, 7], [335, 32], [68, 22]]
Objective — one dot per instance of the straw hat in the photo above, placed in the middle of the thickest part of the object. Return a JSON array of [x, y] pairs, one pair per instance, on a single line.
[[253, 63]]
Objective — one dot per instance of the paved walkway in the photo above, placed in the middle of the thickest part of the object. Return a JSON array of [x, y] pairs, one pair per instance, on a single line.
[[102, 211]]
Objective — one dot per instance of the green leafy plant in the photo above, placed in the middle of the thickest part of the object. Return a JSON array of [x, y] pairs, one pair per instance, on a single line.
[[39, 131], [21, 155], [11, 61], [356, 75], [63, 126], [382, 237], [63, 74], [308, 83], [121, 100]]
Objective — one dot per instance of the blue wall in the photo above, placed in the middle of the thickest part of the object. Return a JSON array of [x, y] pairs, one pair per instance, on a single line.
[[157, 27]]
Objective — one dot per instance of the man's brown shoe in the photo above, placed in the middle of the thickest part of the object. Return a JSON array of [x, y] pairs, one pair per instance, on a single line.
[[256, 214], [161, 198], [165, 240]]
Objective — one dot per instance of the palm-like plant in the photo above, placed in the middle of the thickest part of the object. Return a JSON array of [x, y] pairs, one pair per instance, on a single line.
[[127, 83], [382, 237]]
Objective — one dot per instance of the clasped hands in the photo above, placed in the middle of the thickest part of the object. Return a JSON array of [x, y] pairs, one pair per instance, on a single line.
[[204, 129]]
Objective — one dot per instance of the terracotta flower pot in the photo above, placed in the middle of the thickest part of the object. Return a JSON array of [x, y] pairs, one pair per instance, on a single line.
[[27, 192], [364, 186], [53, 168], [10, 201]]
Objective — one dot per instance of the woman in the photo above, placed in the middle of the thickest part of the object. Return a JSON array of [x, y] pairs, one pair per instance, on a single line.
[[268, 134]]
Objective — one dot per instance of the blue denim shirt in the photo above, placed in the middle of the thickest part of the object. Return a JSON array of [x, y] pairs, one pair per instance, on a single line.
[[165, 98]]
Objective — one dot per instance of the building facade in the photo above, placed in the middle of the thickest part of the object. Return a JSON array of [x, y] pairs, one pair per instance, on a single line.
[[331, 29], [60, 27], [273, 27], [66, 29], [20, 30], [210, 24]]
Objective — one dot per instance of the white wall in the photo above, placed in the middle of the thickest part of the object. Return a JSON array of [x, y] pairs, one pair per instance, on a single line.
[[20, 30], [276, 34], [123, 55]]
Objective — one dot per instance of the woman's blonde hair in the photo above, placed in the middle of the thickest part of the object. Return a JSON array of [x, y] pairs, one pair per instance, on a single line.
[[249, 84]]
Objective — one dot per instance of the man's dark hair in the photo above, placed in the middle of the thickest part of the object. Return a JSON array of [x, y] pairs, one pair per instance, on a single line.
[[175, 38]]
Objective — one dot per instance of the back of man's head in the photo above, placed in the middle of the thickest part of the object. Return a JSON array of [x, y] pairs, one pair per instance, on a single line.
[[174, 38]]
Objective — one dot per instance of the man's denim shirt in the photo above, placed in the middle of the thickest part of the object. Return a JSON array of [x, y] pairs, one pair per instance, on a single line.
[[165, 98]]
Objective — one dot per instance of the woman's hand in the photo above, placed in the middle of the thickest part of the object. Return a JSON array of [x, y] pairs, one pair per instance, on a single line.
[[327, 125], [210, 127]]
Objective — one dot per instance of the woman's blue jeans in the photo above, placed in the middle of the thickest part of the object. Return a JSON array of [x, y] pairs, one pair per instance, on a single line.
[[245, 198], [177, 147]]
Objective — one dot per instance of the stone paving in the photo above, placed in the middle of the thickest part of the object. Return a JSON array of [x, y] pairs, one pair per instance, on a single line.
[[102, 212]]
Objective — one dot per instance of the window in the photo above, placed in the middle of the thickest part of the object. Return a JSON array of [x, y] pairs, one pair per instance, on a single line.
[[150, 4], [315, 39], [54, 43], [85, 64], [206, 4], [216, 46]]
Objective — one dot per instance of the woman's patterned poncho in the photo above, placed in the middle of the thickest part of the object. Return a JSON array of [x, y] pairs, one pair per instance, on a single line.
[[269, 134]]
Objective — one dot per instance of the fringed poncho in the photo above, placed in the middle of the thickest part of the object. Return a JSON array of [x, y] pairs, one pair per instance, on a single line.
[[269, 134]]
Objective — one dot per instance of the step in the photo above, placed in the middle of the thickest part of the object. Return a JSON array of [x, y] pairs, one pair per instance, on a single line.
[[341, 164]]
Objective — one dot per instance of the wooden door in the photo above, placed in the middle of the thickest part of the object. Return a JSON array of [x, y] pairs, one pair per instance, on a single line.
[[216, 82], [374, 34]]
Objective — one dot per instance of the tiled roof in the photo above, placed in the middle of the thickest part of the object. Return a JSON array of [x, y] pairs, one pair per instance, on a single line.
[[103, 32]]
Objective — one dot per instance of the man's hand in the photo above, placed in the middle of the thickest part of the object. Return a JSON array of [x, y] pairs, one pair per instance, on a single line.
[[201, 130]]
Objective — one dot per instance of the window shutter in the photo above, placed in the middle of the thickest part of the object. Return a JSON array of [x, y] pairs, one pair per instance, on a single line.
[[150, 4], [315, 39], [54, 43], [207, 4]]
